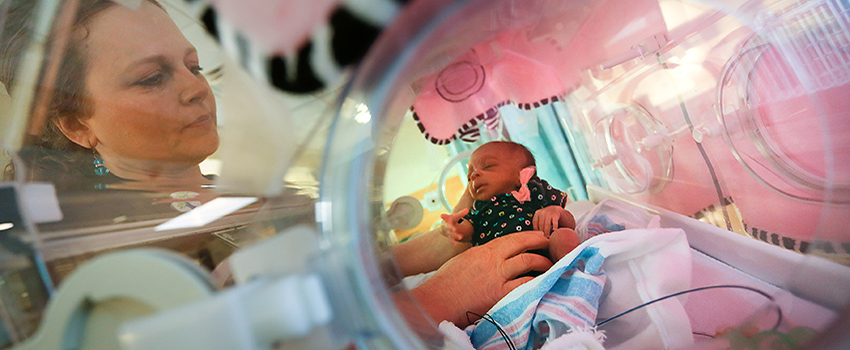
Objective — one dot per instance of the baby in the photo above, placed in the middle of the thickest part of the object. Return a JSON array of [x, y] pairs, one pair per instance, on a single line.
[[509, 197]]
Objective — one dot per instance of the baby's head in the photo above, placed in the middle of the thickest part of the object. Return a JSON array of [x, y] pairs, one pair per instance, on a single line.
[[494, 168]]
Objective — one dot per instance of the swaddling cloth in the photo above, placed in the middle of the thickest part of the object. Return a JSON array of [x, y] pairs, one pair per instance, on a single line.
[[612, 216], [565, 300]]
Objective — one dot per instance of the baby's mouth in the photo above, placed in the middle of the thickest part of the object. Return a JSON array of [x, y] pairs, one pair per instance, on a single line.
[[476, 187]]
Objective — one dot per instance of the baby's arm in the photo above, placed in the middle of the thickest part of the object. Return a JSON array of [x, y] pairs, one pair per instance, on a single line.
[[553, 217], [459, 230]]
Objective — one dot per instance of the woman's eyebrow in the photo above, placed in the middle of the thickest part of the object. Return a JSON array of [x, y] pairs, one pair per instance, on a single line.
[[157, 59]]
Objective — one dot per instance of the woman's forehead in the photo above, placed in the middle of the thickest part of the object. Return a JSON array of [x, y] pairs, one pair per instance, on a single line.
[[134, 32]]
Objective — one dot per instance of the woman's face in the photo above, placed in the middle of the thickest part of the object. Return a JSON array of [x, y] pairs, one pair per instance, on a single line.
[[150, 100]]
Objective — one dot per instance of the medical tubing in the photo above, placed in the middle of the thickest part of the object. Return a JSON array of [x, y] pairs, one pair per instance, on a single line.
[[768, 296], [699, 145], [488, 318]]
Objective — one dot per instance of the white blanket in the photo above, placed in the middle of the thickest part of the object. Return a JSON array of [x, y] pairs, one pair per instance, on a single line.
[[602, 277]]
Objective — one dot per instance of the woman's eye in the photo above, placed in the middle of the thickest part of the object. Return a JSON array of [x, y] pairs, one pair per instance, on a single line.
[[152, 80], [196, 70]]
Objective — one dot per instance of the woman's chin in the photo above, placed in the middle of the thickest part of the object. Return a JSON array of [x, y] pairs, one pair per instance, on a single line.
[[193, 155], [202, 150]]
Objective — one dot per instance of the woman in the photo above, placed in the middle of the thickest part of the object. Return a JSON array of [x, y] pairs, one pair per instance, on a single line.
[[130, 102]]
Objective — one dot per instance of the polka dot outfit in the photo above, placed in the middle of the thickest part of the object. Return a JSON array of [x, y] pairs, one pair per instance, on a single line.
[[503, 214]]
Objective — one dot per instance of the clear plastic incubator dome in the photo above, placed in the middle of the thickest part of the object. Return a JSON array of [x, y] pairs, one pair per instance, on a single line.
[[127, 139], [700, 149]]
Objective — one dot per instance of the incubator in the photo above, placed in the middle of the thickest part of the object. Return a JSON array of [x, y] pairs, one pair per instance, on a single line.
[[703, 146]]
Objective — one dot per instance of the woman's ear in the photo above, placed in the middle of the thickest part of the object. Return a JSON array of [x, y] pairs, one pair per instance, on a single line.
[[76, 131]]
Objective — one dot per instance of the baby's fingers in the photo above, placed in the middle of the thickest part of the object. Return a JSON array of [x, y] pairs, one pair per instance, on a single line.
[[447, 219], [537, 222], [452, 219], [456, 235], [543, 223]]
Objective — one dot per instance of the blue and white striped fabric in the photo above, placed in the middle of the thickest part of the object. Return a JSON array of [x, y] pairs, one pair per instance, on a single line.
[[559, 309], [564, 299]]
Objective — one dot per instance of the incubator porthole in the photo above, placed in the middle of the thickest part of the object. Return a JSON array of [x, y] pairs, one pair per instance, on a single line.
[[634, 150], [773, 100]]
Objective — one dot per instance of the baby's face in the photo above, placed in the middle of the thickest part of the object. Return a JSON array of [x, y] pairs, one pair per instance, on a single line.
[[493, 169]]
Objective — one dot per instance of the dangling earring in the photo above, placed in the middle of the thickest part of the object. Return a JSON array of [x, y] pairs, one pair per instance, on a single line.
[[99, 168]]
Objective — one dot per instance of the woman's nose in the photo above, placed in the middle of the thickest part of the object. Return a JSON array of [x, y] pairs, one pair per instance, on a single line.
[[194, 87]]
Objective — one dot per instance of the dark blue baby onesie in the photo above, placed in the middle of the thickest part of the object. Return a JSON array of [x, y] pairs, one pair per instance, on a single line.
[[503, 214]]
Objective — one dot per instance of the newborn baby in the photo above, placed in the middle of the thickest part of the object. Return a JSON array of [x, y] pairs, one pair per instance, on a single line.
[[509, 197]]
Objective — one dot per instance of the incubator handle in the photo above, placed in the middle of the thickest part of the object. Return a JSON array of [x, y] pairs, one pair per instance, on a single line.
[[126, 284], [250, 316], [274, 299]]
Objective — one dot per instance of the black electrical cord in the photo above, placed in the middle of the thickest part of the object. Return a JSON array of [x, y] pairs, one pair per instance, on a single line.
[[511, 345], [490, 319], [768, 296]]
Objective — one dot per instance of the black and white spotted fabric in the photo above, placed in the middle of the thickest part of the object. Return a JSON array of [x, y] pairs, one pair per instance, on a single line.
[[338, 45]]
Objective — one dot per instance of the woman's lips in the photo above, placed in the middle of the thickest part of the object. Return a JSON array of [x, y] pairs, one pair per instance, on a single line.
[[201, 122]]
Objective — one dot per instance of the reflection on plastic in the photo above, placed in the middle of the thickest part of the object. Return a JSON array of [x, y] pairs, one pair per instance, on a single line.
[[207, 213]]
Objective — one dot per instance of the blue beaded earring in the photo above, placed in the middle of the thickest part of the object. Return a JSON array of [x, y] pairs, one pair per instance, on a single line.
[[99, 168]]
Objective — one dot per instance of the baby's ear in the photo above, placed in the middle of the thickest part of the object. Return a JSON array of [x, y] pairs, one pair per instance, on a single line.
[[76, 131]]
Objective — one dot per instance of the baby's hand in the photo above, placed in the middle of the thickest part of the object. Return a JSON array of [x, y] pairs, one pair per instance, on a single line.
[[454, 226], [546, 219]]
